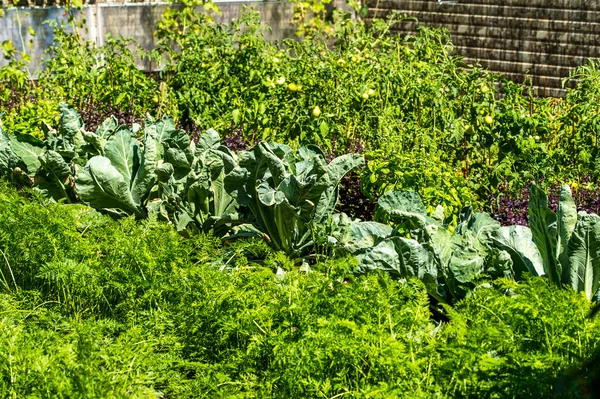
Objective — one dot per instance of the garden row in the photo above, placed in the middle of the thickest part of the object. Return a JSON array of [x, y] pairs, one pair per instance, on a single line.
[[423, 120], [288, 199]]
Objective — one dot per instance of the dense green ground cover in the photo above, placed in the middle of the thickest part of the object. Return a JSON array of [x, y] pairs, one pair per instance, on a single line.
[[93, 307]]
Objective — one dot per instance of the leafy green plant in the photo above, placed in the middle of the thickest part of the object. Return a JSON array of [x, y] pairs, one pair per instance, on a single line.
[[450, 264], [164, 174], [121, 179], [77, 71], [420, 246], [46, 165], [568, 241], [351, 85], [30, 118], [577, 146], [435, 182], [287, 193], [561, 246], [191, 184], [513, 339]]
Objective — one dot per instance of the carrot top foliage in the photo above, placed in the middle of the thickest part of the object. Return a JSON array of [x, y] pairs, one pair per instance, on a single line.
[[92, 307]]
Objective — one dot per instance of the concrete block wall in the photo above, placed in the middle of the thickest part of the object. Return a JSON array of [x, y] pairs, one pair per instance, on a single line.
[[544, 39], [58, 3], [134, 20]]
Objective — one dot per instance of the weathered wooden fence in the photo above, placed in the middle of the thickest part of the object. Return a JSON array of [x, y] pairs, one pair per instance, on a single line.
[[543, 39]]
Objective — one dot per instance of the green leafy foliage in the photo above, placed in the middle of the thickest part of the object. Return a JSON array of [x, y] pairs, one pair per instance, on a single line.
[[106, 308], [427, 123], [450, 264], [562, 247], [94, 307], [567, 241], [164, 174], [436, 182], [289, 197], [287, 193], [191, 189], [120, 179], [30, 117], [504, 343], [73, 72]]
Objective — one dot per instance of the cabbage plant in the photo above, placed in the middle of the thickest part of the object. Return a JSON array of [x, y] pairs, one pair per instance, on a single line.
[[448, 263], [49, 165], [164, 175], [421, 246], [190, 190], [120, 180], [563, 246], [287, 193], [568, 241]]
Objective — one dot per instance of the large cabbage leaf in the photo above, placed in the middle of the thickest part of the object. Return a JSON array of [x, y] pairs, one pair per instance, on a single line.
[[517, 241], [584, 255], [287, 194], [566, 221], [543, 224], [403, 257], [28, 153], [120, 181], [568, 242], [99, 139], [71, 132], [48, 165], [102, 186], [351, 236]]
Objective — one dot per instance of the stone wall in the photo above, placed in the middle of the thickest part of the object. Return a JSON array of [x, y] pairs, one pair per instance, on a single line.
[[544, 39], [134, 20]]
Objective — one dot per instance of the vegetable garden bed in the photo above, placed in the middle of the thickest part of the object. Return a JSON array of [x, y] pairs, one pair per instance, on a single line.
[[336, 216]]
